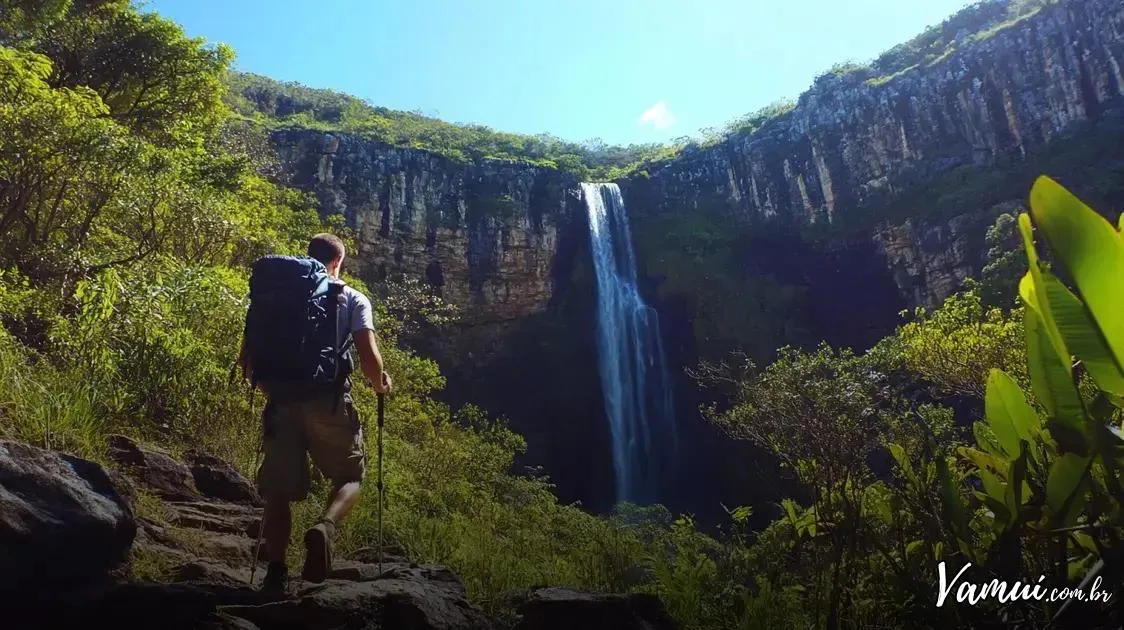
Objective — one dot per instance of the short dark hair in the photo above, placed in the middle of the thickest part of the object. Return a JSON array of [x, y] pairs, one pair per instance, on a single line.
[[326, 247]]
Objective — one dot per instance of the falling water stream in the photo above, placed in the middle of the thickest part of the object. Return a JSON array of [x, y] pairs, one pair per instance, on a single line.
[[634, 374]]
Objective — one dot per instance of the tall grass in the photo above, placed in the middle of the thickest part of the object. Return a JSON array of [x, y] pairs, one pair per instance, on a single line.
[[45, 406]]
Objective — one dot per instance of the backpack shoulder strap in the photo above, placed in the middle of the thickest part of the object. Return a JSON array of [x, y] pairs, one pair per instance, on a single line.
[[336, 293]]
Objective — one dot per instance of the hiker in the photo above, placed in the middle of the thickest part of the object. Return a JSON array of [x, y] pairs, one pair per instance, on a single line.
[[305, 414]]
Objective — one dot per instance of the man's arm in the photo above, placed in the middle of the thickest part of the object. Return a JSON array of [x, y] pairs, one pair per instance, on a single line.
[[370, 360]]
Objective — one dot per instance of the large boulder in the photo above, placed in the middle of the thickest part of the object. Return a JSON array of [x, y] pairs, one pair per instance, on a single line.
[[404, 598], [217, 479], [156, 469], [62, 521], [560, 608]]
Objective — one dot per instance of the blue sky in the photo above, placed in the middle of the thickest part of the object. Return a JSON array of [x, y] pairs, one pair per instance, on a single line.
[[621, 70]]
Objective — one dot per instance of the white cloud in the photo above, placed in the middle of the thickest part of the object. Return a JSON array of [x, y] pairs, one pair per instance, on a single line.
[[658, 116]]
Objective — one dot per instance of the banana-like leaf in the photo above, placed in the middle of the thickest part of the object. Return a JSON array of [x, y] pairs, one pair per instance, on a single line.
[[986, 461], [1050, 375], [1034, 293], [1011, 417], [1065, 488], [1092, 251], [1081, 335], [991, 483]]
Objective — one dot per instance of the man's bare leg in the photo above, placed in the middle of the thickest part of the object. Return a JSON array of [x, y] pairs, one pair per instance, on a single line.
[[278, 527], [341, 500], [317, 541]]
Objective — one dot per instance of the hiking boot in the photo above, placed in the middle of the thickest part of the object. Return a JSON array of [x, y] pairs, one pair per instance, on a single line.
[[275, 580], [318, 551]]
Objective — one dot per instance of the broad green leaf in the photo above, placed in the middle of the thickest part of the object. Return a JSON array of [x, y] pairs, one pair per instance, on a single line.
[[985, 461], [1082, 337], [938, 551], [1034, 292], [1065, 488], [1050, 378], [1091, 250], [1011, 417], [991, 483]]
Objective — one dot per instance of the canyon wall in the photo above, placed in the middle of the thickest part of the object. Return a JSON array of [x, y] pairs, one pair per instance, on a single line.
[[487, 236], [885, 156]]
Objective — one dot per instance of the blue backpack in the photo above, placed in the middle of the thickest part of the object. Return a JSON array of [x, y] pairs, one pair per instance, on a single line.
[[292, 335]]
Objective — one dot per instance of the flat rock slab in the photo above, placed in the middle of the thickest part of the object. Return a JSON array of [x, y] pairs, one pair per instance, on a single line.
[[405, 603], [62, 522], [219, 517], [217, 479], [154, 468], [361, 571]]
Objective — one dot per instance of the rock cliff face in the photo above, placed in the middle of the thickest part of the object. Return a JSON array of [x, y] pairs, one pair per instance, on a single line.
[[852, 139], [487, 235], [855, 143], [855, 149]]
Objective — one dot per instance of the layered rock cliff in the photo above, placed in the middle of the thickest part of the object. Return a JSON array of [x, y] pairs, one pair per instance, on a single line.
[[857, 147], [881, 155], [487, 236]]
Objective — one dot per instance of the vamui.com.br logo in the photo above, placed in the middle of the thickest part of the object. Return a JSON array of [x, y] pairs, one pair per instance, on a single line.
[[967, 592]]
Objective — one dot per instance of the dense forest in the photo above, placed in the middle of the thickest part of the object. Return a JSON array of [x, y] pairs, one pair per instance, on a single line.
[[135, 191]]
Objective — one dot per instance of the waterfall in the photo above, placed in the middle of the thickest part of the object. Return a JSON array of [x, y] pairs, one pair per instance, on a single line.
[[634, 375]]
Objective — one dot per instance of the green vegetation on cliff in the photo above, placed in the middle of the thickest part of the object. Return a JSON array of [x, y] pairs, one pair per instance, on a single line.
[[276, 104], [279, 104]]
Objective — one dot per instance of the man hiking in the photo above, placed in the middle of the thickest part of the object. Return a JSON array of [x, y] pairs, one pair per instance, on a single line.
[[309, 409]]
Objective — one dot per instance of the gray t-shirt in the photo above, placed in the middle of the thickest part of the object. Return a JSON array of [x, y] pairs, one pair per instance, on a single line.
[[356, 315]]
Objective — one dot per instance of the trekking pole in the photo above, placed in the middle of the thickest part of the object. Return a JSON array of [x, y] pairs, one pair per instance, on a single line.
[[261, 523], [257, 548], [382, 416]]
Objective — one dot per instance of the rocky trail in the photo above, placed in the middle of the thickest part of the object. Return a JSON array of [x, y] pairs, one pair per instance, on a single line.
[[67, 526]]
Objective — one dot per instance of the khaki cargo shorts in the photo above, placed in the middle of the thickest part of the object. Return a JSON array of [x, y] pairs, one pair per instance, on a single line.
[[296, 429]]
